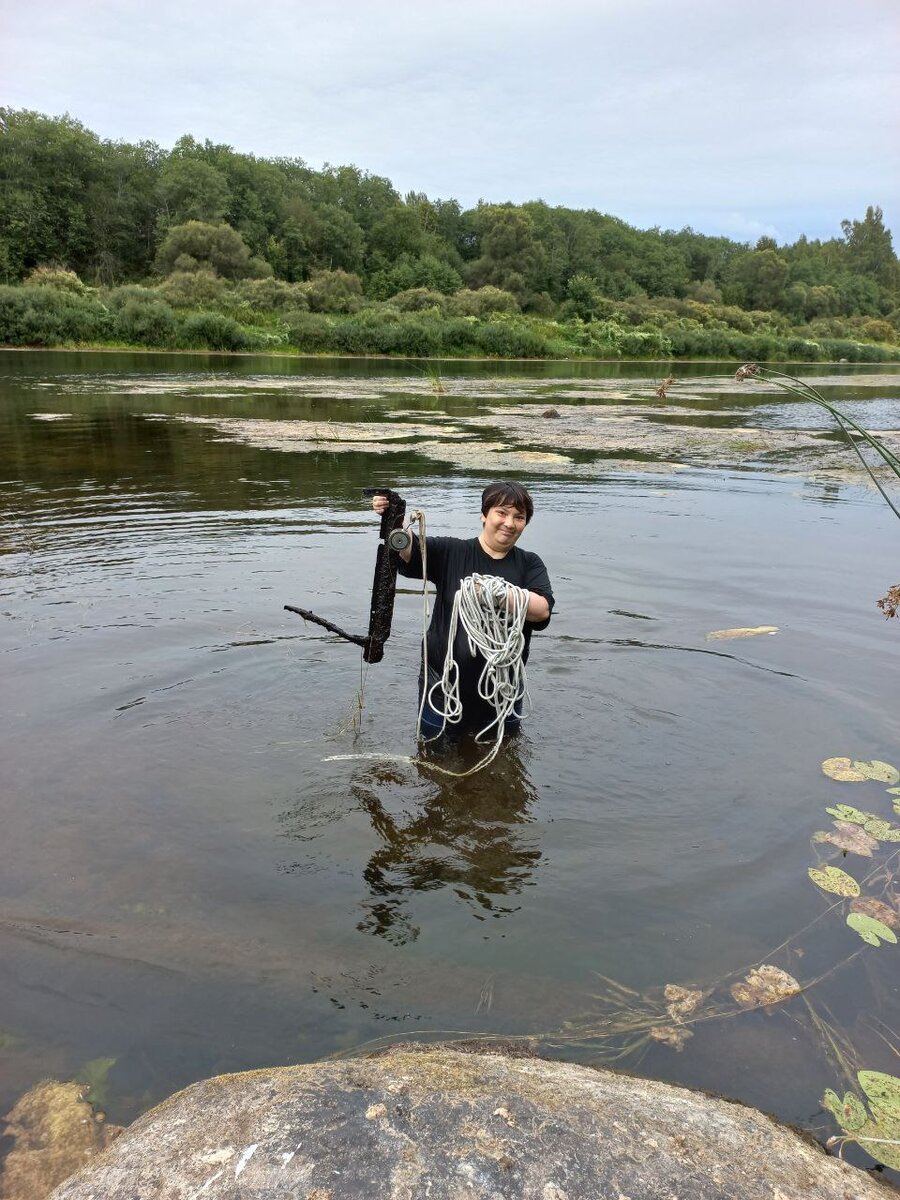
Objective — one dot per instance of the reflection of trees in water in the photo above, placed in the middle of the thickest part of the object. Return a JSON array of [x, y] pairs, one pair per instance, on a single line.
[[466, 834], [824, 492], [111, 444]]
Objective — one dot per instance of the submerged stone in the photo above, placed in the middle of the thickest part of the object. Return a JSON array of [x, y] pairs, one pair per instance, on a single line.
[[54, 1131], [447, 1122]]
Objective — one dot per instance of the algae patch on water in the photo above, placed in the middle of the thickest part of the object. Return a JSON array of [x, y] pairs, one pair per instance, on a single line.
[[595, 421], [764, 986]]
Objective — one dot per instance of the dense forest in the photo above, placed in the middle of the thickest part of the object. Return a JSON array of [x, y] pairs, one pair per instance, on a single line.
[[105, 242]]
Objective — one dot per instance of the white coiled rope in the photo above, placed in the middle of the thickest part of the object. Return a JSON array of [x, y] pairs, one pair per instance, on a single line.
[[492, 614]]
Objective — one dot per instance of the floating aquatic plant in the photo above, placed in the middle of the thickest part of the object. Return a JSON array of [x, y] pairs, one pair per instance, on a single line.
[[873, 907], [890, 602], [681, 1001], [857, 770], [874, 825], [843, 770], [764, 986], [834, 880], [882, 772], [670, 1035], [859, 832], [877, 1129], [848, 837], [870, 929]]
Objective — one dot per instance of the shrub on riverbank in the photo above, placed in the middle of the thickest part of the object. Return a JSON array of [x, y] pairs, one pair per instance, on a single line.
[[198, 309], [147, 321], [45, 316], [213, 331]]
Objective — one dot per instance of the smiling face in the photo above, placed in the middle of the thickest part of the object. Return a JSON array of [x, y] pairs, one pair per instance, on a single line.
[[502, 528]]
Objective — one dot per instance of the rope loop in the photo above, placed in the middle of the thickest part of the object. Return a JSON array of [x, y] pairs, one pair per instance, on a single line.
[[492, 614]]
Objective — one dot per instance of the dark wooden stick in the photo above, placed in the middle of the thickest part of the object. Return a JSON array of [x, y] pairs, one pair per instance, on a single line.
[[311, 616]]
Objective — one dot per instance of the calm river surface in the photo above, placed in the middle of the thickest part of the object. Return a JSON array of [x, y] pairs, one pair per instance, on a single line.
[[188, 887]]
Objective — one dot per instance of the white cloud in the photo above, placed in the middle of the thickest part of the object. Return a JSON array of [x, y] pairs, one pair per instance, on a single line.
[[746, 229], [755, 115]]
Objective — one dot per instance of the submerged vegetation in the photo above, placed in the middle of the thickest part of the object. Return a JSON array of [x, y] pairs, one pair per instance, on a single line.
[[201, 247]]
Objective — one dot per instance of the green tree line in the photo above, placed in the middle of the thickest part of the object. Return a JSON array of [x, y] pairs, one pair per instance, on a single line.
[[137, 244]]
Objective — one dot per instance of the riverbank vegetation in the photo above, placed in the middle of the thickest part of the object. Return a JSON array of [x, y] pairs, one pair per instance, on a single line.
[[201, 247]]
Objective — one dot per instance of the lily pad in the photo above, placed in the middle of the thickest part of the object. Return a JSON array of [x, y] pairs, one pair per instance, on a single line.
[[843, 770], [881, 829], [763, 986], [882, 772], [671, 1035], [881, 1141], [846, 812], [870, 929], [876, 908], [850, 1113], [681, 1001], [874, 825], [721, 635], [882, 1092], [833, 879], [893, 791], [879, 1132], [849, 837]]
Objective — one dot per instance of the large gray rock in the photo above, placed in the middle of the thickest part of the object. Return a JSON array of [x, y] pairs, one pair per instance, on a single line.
[[442, 1123]]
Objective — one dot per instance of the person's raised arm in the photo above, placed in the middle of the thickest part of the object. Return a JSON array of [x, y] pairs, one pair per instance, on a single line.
[[379, 504]]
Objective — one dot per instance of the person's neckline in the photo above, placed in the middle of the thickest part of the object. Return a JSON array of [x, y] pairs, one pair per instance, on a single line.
[[487, 553]]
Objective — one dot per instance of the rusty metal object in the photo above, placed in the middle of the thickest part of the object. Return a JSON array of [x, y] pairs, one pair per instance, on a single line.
[[381, 608]]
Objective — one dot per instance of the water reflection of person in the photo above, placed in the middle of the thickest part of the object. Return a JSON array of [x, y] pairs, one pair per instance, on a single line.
[[466, 834]]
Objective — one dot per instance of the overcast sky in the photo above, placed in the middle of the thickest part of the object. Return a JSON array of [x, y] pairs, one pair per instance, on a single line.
[[739, 117]]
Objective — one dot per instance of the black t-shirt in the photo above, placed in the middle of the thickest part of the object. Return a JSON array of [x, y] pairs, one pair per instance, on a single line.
[[449, 561]]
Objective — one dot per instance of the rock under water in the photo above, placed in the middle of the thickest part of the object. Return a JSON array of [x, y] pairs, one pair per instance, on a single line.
[[54, 1131]]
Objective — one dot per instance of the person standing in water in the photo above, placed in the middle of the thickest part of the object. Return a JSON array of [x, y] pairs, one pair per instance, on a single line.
[[506, 508]]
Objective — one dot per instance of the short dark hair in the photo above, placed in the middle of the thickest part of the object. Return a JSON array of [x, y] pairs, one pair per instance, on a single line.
[[495, 495]]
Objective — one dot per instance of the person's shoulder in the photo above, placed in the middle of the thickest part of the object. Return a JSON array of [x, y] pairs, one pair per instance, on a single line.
[[528, 557], [450, 552], [449, 544]]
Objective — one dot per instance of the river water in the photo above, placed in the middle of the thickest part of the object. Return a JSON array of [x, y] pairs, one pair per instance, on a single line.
[[192, 883]]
